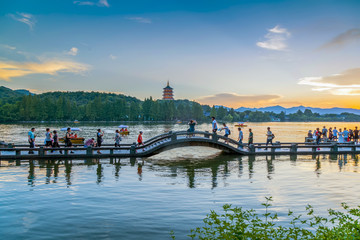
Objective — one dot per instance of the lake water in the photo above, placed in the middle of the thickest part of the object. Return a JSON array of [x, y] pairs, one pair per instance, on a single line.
[[147, 198], [284, 131]]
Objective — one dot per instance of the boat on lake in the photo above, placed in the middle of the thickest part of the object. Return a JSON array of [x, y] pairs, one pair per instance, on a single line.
[[75, 139], [240, 124], [124, 130]]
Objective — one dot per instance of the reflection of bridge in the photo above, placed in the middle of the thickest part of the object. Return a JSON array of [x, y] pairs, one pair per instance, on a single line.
[[172, 140]]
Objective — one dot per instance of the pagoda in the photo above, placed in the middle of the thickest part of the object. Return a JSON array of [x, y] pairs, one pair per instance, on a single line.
[[168, 92]]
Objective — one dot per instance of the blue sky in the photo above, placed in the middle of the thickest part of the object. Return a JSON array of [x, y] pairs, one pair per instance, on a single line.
[[236, 53]]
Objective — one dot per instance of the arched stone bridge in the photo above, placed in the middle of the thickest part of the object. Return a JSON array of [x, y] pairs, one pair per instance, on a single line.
[[172, 140]]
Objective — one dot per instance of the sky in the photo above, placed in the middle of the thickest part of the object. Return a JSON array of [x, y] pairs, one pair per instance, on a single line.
[[250, 53]]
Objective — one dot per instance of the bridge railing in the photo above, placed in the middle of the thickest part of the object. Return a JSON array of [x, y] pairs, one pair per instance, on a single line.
[[178, 136]]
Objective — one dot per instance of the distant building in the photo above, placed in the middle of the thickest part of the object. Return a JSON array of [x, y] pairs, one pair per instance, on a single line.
[[168, 93]]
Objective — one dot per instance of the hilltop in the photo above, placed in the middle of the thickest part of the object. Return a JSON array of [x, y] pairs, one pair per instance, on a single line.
[[291, 110]]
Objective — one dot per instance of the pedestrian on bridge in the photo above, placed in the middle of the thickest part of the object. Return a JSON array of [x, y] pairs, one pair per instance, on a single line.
[[99, 139], [117, 138], [269, 137], [191, 129], [68, 142], [31, 140], [55, 143], [214, 125], [241, 137], [227, 132], [356, 135], [324, 133], [335, 134], [48, 138], [318, 136], [251, 137], [140, 139]]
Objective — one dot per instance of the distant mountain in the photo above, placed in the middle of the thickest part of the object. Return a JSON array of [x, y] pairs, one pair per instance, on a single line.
[[9, 93], [23, 92], [279, 109]]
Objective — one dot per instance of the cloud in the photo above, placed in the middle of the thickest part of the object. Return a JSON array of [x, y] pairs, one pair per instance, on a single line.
[[236, 100], [10, 70], [103, 3], [351, 35], [73, 51], [275, 39], [100, 3], [7, 46], [112, 57], [139, 19], [345, 83], [26, 18]]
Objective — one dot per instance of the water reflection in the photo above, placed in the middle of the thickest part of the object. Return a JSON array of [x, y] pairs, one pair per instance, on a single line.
[[31, 176], [99, 173], [221, 167], [117, 165], [270, 167], [251, 166], [240, 163], [68, 168], [56, 172], [139, 169]]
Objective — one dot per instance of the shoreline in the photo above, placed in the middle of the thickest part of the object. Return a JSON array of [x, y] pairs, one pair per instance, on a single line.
[[158, 122]]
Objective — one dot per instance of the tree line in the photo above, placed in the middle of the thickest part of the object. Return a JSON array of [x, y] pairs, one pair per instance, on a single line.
[[95, 106]]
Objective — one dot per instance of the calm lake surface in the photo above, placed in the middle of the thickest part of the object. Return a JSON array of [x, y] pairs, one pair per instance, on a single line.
[[146, 198]]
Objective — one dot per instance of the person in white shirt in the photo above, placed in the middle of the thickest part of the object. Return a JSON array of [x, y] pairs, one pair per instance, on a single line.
[[269, 137], [241, 137], [227, 132], [335, 133], [214, 125]]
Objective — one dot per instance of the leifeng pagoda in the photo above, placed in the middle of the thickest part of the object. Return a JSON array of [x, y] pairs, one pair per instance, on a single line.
[[168, 92]]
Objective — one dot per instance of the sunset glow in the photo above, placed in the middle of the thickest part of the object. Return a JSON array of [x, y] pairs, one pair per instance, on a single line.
[[241, 53]]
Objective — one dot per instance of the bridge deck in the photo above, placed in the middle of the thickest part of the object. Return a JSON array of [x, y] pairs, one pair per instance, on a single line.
[[175, 140]]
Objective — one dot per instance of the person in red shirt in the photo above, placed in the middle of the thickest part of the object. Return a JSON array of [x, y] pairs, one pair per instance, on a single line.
[[140, 139]]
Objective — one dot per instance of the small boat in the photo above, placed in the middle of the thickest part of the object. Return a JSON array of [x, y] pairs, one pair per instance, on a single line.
[[124, 130], [76, 121], [178, 121], [240, 124], [74, 140]]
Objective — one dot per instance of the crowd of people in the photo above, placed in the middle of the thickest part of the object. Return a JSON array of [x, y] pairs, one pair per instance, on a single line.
[[269, 135], [52, 138], [332, 134]]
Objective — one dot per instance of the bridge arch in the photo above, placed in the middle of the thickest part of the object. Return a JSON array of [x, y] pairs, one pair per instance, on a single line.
[[173, 140]]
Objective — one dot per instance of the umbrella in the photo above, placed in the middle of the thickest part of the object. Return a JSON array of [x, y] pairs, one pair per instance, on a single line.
[[72, 129]]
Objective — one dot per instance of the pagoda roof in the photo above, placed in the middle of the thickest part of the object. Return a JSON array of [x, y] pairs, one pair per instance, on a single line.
[[168, 86]]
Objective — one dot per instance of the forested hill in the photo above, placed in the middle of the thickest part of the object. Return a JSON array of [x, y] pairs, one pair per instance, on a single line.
[[21, 105], [91, 106], [9, 95]]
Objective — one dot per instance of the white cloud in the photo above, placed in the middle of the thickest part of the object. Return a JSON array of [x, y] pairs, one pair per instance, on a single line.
[[139, 19], [347, 37], [103, 3], [276, 39], [84, 3], [10, 70], [100, 3], [345, 83], [73, 51], [8, 46], [112, 57], [236, 100], [26, 18]]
